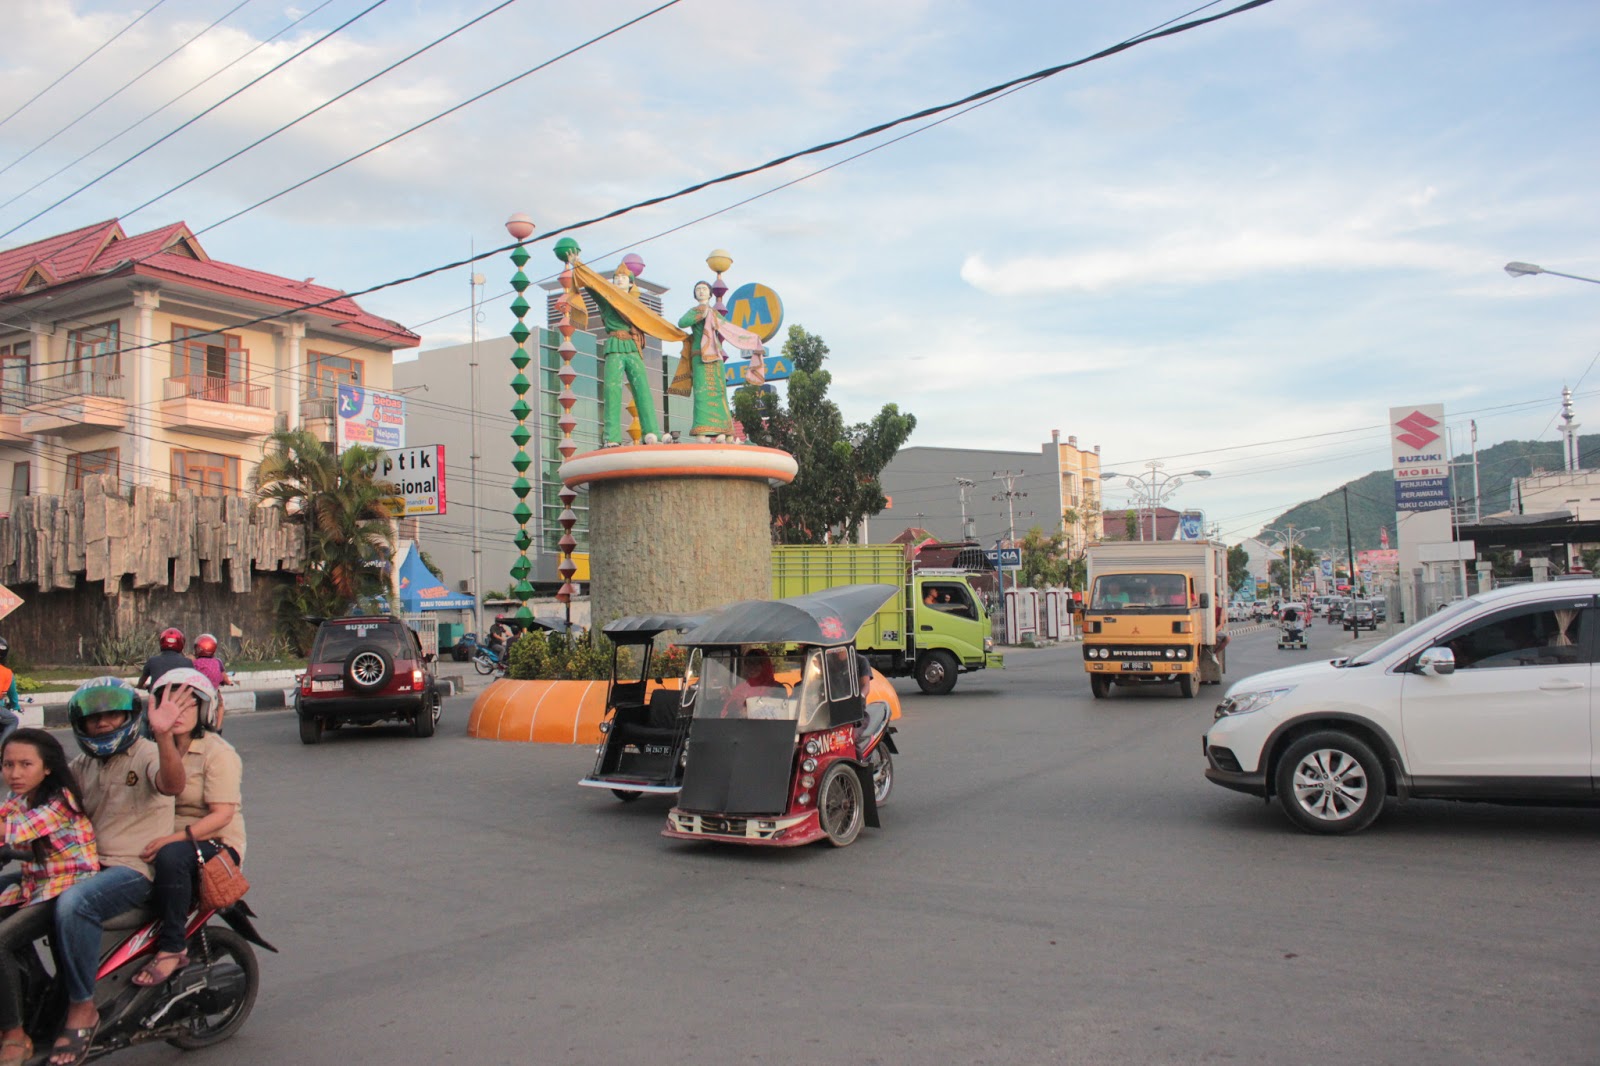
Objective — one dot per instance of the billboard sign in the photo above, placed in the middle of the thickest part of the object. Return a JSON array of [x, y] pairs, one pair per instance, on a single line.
[[1421, 457], [756, 308], [419, 475], [777, 367], [367, 416], [1191, 525]]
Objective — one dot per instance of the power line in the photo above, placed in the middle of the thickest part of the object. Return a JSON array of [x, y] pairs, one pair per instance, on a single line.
[[150, 115], [125, 85], [140, 17], [167, 136]]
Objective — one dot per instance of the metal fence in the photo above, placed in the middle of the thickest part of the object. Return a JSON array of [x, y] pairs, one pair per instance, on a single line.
[[427, 629]]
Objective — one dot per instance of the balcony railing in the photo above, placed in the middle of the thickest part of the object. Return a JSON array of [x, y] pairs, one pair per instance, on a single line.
[[317, 407], [218, 390], [76, 383]]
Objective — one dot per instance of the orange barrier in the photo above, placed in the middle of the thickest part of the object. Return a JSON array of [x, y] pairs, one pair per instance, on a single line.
[[542, 712]]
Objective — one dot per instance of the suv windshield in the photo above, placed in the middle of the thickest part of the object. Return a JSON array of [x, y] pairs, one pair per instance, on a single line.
[[336, 642], [1409, 634], [1140, 592]]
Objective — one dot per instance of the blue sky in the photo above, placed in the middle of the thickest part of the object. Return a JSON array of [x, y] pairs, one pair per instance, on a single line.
[[1270, 228]]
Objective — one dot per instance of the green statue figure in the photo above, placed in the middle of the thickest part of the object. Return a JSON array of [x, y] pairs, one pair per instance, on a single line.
[[700, 370]]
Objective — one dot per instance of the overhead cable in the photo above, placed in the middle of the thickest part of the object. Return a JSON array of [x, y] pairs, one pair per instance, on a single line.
[[140, 17]]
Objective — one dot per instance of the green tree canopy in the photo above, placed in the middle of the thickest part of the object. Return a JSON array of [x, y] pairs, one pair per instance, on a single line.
[[341, 503], [837, 485], [1044, 560], [1305, 561], [1238, 567]]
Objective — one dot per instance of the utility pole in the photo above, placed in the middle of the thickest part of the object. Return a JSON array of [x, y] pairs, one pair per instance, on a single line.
[[962, 485], [1349, 541], [475, 284], [1011, 495]]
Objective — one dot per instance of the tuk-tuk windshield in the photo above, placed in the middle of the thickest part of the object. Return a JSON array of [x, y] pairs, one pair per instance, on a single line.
[[628, 663], [758, 684]]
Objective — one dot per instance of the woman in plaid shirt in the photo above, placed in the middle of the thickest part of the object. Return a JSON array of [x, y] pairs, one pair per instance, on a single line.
[[47, 830]]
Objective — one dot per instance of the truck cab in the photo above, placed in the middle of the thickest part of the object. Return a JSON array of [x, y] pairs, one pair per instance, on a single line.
[[1155, 615]]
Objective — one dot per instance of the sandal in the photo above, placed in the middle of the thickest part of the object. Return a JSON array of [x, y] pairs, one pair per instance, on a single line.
[[8, 1058], [74, 1042], [161, 968]]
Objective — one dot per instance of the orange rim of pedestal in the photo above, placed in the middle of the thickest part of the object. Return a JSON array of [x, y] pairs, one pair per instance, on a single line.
[[542, 712], [680, 460]]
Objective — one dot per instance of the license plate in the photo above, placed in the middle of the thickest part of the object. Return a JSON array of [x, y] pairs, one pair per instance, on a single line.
[[327, 686], [1138, 666]]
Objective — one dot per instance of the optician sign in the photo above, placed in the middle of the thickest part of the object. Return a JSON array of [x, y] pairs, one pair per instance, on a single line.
[[419, 475], [1421, 457], [367, 416]]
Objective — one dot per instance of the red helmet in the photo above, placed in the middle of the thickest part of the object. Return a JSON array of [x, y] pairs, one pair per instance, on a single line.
[[172, 640], [205, 644]]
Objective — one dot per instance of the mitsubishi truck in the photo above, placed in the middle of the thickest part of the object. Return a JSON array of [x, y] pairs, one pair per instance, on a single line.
[[1156, 614], [936, 627]]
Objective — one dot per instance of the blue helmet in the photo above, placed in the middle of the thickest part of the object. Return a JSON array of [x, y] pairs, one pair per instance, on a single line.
[[106, 695]]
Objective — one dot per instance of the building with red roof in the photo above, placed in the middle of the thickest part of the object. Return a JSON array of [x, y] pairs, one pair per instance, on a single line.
[[142, 357]]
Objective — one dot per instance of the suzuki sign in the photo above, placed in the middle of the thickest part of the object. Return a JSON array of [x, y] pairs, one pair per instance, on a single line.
[[1421, 457]]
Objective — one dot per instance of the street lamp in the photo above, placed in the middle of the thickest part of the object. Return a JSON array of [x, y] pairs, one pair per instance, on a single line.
[[1153, 489], [1291, 538], [1520, 270]]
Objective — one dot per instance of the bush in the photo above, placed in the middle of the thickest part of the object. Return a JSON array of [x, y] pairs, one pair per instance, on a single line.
[[28, 684], [130, 650], [272, 649], [668, 662], [538, 655]]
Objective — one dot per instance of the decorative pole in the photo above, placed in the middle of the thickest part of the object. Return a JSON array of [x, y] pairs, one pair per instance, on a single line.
[[566, 249], [520, 226]]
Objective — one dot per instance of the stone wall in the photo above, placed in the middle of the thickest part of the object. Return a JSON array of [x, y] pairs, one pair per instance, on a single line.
[[677, 544]]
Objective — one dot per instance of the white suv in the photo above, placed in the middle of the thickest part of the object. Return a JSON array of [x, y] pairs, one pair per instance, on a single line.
[[1487, 700]]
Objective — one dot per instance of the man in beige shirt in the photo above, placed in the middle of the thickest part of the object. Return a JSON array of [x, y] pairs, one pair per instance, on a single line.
[[128, 787]]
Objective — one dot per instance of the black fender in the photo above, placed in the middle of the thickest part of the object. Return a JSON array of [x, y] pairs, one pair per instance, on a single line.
[[238, 916], [1389, 750], [888, 740], [868, 794]]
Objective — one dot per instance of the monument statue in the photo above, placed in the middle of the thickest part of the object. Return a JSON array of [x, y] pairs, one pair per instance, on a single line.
[[700, 371]]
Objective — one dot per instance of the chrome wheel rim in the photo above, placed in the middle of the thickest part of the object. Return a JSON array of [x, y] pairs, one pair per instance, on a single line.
[[882, 775], [841, 805], [367, 668], [1330, 785], [935, 671]]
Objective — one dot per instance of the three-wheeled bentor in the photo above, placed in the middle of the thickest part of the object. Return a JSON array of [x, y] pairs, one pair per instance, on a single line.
[[645, 732], [790, 741]]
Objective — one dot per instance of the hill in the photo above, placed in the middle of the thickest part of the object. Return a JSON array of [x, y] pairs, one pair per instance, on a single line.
[[1372, 495]]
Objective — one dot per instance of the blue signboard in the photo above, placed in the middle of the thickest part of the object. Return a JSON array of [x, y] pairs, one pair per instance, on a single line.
[[1005, 559], [756, 308], [1422, 494], [778, 367], [1327, 568]]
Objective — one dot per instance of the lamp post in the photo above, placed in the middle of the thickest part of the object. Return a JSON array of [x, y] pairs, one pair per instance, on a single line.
[[1521, 270], [1153, 489], [1291, 538]]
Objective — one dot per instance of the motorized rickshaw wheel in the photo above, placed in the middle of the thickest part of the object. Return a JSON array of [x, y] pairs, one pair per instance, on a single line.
[[625, 795], [881, 763], [840, 804]]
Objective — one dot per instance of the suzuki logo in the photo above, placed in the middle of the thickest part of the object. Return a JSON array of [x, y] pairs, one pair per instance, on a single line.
[[1418, 430]]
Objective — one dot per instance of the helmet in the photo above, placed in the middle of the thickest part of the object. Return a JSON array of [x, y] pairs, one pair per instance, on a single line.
[[205, 693], [172, 639], [106, 695], [4, 650], [205, 644]]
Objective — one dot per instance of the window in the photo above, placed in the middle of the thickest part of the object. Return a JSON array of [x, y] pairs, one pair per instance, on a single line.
[[841, 667], [328, 372], [200, 354], [1536, 636], [205, 473], [95, 349], [86, 464], [14, 375]]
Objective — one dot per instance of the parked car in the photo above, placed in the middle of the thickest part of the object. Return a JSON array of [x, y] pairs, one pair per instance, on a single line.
[[1486, 700], [365, 670], [1380, 608]]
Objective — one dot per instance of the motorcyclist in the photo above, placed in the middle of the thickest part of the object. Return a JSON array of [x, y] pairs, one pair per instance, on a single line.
[[128, 787], [499, 639], [170, 657], [208, 662], [10, 706]]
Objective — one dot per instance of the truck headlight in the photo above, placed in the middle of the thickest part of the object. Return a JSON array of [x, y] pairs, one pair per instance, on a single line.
[[1246, 702], [988, 644]]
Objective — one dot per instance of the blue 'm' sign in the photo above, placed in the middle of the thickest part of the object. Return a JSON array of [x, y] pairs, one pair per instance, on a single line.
[[779, 367]]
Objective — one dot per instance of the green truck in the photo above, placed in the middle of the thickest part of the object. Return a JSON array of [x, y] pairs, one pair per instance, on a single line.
[[934, 629]]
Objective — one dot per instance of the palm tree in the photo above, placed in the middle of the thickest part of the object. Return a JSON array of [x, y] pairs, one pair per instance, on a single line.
[[343, 505]]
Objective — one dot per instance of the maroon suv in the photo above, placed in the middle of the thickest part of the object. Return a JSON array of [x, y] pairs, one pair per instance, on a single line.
[[366, 670]]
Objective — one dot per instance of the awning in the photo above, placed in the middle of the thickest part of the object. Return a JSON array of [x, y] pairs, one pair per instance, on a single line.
[[421, 591]]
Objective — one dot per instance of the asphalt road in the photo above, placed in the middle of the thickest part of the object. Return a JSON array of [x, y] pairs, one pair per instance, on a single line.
[[1054, 882]]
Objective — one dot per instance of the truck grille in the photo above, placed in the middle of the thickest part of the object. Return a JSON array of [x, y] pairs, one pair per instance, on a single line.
[[1092, 652]]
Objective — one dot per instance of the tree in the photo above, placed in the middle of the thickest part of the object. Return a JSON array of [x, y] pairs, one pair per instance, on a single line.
[[1238, 567], [1305, 561], [1044, 559], [837, 485], [342, 505]]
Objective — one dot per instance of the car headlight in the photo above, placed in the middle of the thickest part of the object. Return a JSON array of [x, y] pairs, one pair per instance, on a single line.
[[1245, 702]]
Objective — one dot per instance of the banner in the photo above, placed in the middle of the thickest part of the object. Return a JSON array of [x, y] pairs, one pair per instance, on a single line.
[[419, 475], [367, 416]]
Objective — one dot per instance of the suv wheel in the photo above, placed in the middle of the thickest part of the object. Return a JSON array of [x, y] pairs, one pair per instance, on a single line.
[[368, 669], [1330, 782], [310, 730], [427, 716]]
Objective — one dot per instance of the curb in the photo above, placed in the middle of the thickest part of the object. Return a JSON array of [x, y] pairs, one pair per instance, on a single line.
[[54, 715]]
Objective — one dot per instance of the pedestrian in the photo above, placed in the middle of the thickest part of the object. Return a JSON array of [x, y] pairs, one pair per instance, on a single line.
[[10, 705]]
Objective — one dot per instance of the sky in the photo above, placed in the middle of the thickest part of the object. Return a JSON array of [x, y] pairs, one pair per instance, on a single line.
[[1232, 249]]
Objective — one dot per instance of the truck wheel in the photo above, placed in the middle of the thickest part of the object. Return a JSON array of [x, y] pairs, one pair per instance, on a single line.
[[936, 673], [1186, 686], [1099, 686]]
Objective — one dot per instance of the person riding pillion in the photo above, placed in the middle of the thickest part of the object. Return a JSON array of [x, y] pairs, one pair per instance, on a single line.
[[10, 704], [129, 784]]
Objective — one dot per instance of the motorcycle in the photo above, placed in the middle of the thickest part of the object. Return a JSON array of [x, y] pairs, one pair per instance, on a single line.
[[487, 662], [201, 1004]]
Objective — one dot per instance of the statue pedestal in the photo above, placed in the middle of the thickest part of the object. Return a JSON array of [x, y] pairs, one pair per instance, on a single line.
[[677, 527]]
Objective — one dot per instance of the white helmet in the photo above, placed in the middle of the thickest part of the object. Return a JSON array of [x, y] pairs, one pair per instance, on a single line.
[[205, 694]]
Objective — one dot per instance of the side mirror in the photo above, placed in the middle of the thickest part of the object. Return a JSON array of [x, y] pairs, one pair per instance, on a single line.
[[1437, 661], [1205, 600], [427, 656]]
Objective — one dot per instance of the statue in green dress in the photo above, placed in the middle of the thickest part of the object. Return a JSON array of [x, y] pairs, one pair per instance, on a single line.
[[700, 370]]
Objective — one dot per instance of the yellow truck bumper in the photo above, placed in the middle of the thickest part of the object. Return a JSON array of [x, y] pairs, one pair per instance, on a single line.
[[994, 661]]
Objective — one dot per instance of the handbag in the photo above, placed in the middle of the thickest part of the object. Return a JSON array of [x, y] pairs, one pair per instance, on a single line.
[[222, 883]]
